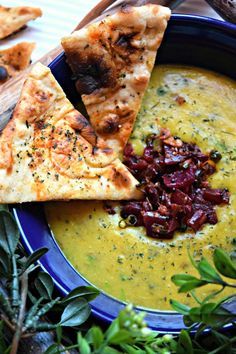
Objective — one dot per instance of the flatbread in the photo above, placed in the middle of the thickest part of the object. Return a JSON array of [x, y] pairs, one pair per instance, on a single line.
[[48, 150], [16, 58], [112, 61], [14, 18]]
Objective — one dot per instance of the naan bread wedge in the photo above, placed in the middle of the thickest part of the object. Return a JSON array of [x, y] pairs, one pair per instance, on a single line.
[[15, 59], [14, 18], [48, 150], [112, 61]]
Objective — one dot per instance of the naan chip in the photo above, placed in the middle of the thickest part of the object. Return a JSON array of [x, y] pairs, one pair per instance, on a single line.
[[112, 61], [49, 151], [14, 18], [15, 59]]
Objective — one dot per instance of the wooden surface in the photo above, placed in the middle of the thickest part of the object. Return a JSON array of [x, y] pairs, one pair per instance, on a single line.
[[10, 91]]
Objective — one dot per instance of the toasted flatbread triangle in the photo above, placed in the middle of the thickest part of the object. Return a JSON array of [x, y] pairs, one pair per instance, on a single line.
[[112, 61], [13, 18], [16, 58], [48, 150]]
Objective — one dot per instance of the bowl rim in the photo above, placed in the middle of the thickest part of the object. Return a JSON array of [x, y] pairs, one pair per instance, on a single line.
[[100, 313]]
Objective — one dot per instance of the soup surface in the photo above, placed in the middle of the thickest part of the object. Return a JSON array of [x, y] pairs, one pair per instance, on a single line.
[[125, 263]]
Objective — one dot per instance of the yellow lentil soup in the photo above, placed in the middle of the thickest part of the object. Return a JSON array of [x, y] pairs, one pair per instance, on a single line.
[[125, 263]]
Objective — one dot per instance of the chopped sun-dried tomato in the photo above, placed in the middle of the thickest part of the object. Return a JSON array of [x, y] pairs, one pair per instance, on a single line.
[[173, 178]]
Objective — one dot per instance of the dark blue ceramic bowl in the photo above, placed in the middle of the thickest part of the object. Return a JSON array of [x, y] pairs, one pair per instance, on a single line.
[[188, 40]]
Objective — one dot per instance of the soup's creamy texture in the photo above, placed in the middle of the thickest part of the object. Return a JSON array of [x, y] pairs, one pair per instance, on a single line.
[[124, 262]]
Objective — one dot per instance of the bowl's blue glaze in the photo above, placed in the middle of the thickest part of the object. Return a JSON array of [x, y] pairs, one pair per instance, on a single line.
[[188, 40]]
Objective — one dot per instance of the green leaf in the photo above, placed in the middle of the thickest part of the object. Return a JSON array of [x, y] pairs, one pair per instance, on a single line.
[[97, 337], [187, 282], [53, 349], [208, 273], [4, 263], [207, 312], [109, 350], [184, 345], [87, 292], [9, 232], [219, 337], [129, 349], [195, 314], [75, 313], [84, 347], [219, 317], [121, 337], [190, 285], [181, 308], [194, 263], [113, 328], [149, 350], [181, 279], [224, 264], [34, 257], [44, 285]]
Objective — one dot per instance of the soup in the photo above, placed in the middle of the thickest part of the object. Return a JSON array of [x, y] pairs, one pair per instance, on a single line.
[[124, 262]]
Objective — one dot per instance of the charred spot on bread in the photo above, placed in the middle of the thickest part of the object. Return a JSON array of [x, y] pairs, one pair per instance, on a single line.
[[125, 42], [120, 179], [110, 125], [82, 126], [91, 72]]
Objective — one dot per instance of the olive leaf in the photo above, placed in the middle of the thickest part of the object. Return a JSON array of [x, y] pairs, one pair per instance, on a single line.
[[44, 285], [75, 313], [87, 292], [208, 273], [187, 282], [95, 336], [181, 279], [149, 350], [4, 262], [34, 257], [83, 345], [224, 264], [53, 349], [181, 308], [219, 337], [9, 232], [131, 350], [110, 350], [216, 316], [195, 314], [121, 337], [184, 343], [192, 284], [113, 328]]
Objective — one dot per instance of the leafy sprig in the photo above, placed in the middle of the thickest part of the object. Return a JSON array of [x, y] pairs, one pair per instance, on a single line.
[[23, 303], [128, 333]]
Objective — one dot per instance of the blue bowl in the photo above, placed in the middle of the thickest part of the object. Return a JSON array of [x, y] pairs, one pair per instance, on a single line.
[[188, 40]]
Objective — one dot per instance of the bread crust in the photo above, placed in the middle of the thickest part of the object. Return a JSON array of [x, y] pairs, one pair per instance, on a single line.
[[48, 150], [112, 61], [14, 18], [16, 58]]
